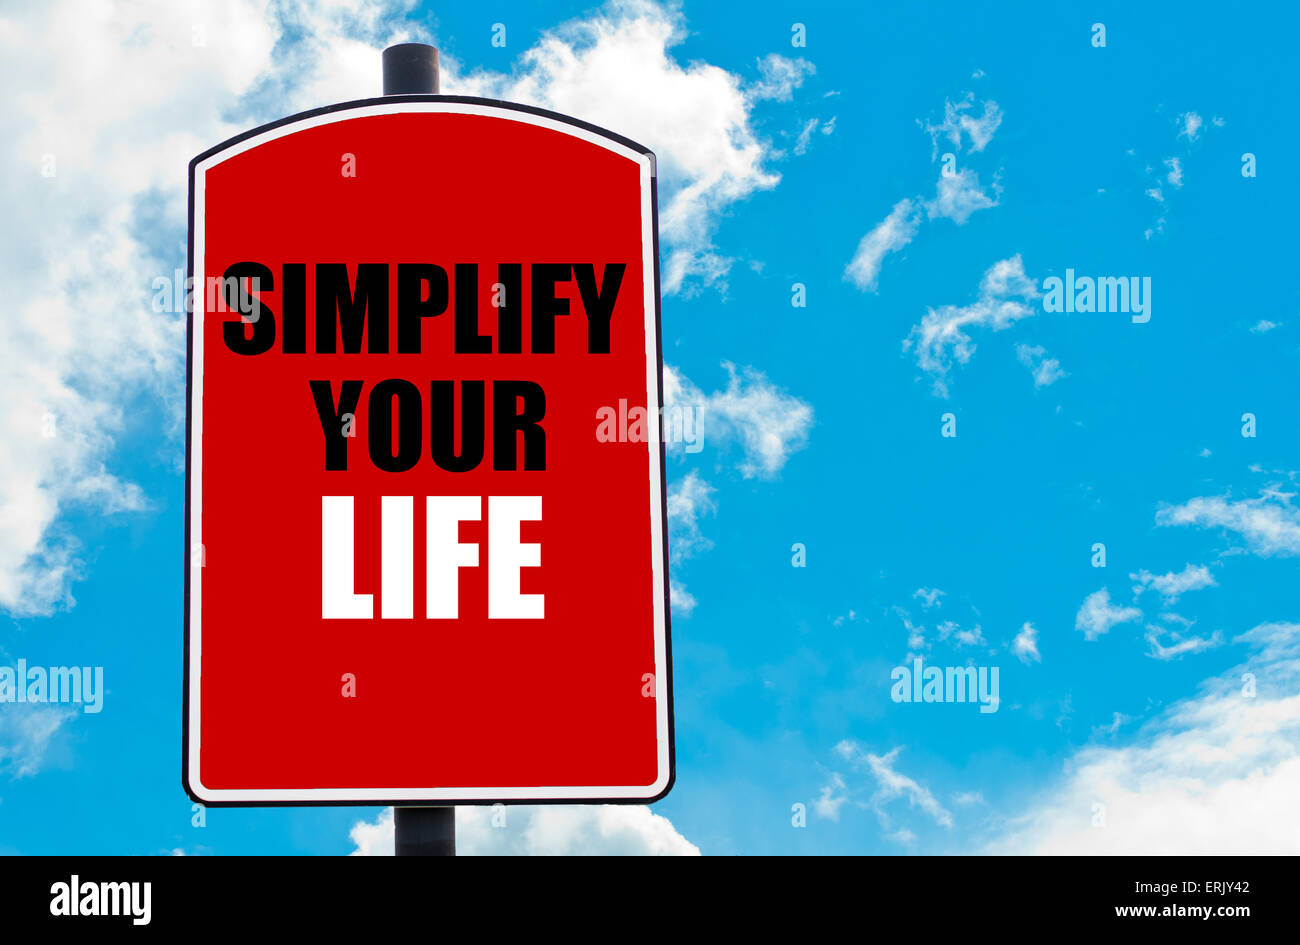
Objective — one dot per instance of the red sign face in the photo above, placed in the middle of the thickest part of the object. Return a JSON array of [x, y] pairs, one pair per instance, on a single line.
[[425, 497]]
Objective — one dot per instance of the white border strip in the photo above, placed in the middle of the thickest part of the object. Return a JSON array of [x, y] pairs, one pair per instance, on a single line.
[[372, 795]]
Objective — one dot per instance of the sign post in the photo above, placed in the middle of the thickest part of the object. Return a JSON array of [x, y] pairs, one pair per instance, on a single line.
[[412, 69], [425, 501]]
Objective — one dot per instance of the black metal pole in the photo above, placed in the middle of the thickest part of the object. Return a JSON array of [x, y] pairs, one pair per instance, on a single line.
[[412, 69], [424, 831]]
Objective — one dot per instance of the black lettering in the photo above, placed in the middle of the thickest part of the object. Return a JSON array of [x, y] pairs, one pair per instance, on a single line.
[[442, 424], [468, 340], [545, 304], [293, 304], [379, 421], [598, 303], [248, 307], [412, 307], [337, 304], [332, 422], [508, 421], [510, 316]]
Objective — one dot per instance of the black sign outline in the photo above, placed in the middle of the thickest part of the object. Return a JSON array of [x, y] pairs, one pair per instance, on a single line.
[[663, 687]]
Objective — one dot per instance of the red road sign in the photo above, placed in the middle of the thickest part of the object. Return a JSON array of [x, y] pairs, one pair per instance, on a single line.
[[415, 572]]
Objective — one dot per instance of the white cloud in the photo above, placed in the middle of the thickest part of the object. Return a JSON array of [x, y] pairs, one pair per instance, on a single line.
[[960, 122], [82, 247], [1098, 615], [832, 797], [1180, 642], [950, 629], [1117, 721], [915, 633], [616, 69], [375, 838], [1174, 584], [551, 830], [768, 423], [1025, 645], [805, 136], [1215, 774], [1004, 294], [1191, 125], [79, 337], [957, 196], [1270, 524], [681, 600], [903, 837], [889, 236], [689, 499], [87, 356], [1175, 176], [892, 784], [779, 76], [1046, 371], [26, 732], [851, 617], [333, 55], [928, 596], [811, 127], [1264, 325]]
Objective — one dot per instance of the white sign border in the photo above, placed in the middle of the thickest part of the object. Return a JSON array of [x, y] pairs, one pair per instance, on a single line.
[[191, 775]]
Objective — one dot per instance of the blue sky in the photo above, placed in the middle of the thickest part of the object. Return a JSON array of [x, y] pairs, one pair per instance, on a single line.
[[777, 160]]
